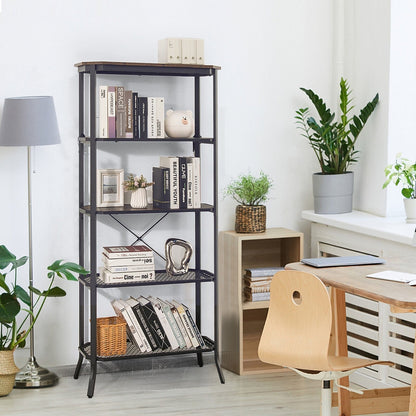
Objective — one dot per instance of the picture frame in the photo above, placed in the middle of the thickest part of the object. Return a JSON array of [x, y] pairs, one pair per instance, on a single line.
[[110, 191]]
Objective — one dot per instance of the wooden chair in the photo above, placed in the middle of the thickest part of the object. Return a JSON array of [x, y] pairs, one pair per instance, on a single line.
[[297, 332]]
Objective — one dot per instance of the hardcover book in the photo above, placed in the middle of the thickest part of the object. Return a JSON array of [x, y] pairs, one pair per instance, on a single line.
[[123, 277], [128, 97], [183, 182], [196, 181], [194, 327], [141, 319], [136, 119], [170, 51], [173, 323], [147, 261], [161, 187], [172, 162], [103, 111], [111, 107], [143, 117], [181, 326], [188, 326], [120, 310], [120, 113], [154, 323], [114, 252], [263, 271]]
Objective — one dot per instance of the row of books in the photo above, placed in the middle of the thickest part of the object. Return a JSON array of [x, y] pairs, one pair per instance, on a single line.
[[153, 323], [257, 283], [123, 114], [177, 183], [127, 263], [181, 51]]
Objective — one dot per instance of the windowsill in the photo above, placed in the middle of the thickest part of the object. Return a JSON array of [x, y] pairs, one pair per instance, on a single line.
[[390, 228]]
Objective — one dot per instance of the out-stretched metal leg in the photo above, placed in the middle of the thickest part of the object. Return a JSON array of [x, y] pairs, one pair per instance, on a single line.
[[91, 384], [199, 358], [219, 369], [78, 367]]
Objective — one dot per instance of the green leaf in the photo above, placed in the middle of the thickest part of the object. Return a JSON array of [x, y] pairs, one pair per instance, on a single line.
[[407, 192], [53, 292], [3, 283], [6, 258], [9, 307], [22, 294], [65, 269]]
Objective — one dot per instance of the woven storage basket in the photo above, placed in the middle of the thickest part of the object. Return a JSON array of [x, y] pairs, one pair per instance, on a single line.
[[111, 336], [250, 219]]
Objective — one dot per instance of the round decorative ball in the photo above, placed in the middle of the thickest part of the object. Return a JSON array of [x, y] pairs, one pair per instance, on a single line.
[[179, 124]]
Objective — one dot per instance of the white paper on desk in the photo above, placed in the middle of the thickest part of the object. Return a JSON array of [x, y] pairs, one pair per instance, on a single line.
[[395, 276]]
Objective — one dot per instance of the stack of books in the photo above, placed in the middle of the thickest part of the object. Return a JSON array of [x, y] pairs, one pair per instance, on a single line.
[[123, 114], [156, 324], [127, 263], [177, 182], [257, 283]]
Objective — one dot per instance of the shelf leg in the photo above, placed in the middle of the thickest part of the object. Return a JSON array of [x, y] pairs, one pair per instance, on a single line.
[[199, 358], [78, 367], [91, 383], [219, 369]]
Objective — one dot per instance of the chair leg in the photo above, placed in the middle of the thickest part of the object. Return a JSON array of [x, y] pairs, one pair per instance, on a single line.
[[326, 396]]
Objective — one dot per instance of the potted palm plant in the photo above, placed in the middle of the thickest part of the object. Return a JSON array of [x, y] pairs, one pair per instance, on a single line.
[[403, 173], [333, 143], [15, 303], [250, 193]]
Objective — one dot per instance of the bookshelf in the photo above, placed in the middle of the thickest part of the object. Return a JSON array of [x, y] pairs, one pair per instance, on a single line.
[[89, 213], [241, 322]]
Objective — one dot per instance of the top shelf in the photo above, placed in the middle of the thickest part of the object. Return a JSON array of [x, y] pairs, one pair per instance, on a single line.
[[140, 68]]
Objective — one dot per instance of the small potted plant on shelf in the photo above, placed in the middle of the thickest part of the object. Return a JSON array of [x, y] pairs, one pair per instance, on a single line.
[[333, 143], [138, 185], [250, 193], [15, 303], [403, 173]]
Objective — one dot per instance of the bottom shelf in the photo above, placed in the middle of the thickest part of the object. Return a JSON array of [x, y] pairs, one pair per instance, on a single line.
[[134, 352]]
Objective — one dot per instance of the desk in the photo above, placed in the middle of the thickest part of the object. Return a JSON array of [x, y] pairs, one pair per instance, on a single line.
[[401, 298]]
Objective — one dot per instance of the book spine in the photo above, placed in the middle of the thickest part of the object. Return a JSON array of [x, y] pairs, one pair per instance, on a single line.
[[160, 117], [183, 181], [130, 269], [161, 187], [111, 112], [200, 52], [154, 325], [109, 277], [172, 163], [129, 114], [189, 183], [103, 112], [151, 117], [263, 271], [120, 113], [125, 251], [173, 343], [187, 324], [136, 115], [181, 326], [143, 130], [173, 324], [141, 319], [196, 171], [147, 261], [194, 327], [120, 310]]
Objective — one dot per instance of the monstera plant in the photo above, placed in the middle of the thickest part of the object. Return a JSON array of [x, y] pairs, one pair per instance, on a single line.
[[15, 299]]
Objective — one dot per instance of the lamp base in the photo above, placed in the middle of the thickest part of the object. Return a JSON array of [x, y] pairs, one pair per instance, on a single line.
[[34, 376]]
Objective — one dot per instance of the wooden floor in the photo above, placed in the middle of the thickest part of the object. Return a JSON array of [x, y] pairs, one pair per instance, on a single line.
[[190, 391]]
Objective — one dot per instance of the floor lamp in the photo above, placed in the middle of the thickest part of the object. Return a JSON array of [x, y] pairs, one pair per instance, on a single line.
[[30, 121]]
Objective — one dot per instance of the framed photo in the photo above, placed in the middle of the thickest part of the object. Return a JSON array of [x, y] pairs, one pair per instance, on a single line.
[[110, 191]]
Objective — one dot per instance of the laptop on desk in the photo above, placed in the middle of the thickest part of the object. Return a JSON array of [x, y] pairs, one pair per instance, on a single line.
[[342, 261]]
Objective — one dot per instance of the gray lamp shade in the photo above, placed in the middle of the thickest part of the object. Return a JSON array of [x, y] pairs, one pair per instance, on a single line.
[[29, 121]]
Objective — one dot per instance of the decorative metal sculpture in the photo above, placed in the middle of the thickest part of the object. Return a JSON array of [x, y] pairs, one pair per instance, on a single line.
[[177, 268]]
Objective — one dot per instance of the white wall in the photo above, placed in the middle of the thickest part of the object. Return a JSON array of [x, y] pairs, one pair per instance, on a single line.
[[267, 50]]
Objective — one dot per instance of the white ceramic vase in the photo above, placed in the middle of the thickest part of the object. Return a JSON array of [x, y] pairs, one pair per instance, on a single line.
[[139, 198], [410, 208]]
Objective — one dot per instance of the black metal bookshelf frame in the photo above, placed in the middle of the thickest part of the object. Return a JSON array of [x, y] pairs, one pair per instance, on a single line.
[[197, 276]]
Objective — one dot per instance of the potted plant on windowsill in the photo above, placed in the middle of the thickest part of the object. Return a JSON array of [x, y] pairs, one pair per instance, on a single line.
[[250, 193], [15, 302], [403, 173], [333, 143]]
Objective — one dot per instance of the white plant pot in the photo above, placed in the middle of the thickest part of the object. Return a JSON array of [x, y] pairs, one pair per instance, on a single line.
[[333, 193], [410, 208], [139, 198]]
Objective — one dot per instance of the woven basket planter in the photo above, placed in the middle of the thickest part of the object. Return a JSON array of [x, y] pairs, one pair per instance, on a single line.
[[250, 219], [111, 336], [8, 371]]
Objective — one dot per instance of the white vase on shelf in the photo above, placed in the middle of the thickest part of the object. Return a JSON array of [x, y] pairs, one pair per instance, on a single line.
[[139, 198]]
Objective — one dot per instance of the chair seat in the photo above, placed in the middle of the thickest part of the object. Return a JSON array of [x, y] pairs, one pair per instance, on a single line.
[[351, 363]]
